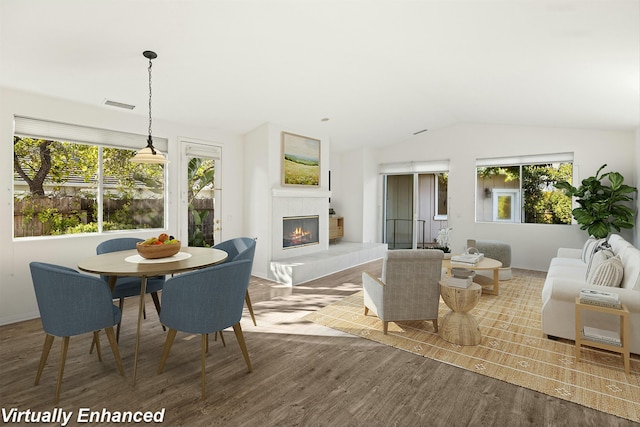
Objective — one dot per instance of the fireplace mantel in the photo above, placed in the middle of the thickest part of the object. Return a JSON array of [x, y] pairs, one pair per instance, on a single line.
[[298, 192]]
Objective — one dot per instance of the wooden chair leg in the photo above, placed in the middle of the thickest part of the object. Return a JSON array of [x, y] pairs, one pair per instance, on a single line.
[[224, 344], [63, 359], [247, 300], [435, 324], [238, 330], [204, 344], [48, 341], [366, 310], [385, 327], [156, 302], [121, 305], [96, 341], [114, 347], [171, 335]]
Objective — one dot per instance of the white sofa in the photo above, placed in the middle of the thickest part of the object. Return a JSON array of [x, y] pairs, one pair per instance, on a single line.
[[567, 276]]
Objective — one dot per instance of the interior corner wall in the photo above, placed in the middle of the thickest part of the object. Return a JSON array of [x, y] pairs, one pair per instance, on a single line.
[[636, 238], [257, 195], [347, 195], [533, 245]]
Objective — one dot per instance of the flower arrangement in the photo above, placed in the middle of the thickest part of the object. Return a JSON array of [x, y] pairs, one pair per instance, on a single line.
[[443, 239]]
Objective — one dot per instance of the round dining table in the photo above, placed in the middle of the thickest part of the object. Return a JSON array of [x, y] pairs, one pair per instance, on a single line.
[[130, 263]]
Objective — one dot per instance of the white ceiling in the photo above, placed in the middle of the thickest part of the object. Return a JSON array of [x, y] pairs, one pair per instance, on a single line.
[[379, 70]]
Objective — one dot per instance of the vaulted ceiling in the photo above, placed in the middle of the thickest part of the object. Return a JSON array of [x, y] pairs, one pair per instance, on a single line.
[[380, 71]]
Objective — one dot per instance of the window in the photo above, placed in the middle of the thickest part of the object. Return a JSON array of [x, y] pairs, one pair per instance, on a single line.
[[72, 179], [522, 189], [441, 202]]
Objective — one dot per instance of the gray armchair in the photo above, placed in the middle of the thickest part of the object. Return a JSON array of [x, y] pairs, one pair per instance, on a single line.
[[408, 289]]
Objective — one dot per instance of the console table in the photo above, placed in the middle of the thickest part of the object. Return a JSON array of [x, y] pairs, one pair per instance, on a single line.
[[336, 227], [623, 348]]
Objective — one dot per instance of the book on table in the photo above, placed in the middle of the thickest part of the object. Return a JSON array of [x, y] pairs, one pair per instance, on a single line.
[[599, 303], [594, 294], [471, 259], [458, 282], [600, 298], [601, 335]]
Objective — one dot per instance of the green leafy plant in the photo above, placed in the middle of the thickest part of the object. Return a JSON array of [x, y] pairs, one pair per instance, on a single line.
[[602, 207]]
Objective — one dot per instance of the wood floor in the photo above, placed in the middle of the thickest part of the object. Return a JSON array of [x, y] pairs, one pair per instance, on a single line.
[[303, 374]]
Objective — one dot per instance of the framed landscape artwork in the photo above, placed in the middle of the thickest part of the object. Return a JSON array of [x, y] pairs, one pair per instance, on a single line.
[[300, 160]]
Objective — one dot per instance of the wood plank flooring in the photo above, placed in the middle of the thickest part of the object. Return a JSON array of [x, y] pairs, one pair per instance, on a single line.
[[303, 374]]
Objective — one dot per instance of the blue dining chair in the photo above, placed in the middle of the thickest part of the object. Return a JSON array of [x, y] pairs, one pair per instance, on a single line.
[[205, 301], [237, 249], [129, 286], [72, 303]]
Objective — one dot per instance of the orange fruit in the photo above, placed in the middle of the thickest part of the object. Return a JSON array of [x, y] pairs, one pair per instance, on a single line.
[[162, 237]]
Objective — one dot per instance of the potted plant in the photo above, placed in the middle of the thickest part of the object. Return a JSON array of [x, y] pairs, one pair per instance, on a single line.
[[443, 241], [602, 206]]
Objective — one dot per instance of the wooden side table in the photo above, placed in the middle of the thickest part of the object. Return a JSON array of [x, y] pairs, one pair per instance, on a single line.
[[459, 326], [623, 349]]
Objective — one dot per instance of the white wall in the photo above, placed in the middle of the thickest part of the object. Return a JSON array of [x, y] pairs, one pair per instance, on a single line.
[[533, 245], [354, 190], [17, 299], [636, 236]]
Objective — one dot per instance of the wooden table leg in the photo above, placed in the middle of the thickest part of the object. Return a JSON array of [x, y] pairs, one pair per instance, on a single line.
[[143, 291], [496, 282]]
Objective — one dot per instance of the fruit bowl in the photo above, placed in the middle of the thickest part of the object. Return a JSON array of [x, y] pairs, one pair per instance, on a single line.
[[162, 250]]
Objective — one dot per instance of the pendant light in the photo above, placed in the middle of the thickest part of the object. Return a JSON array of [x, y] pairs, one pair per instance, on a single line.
[[149, 154]]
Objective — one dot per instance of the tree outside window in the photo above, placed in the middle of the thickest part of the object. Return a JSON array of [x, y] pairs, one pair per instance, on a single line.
[[68, 188], [523, 193]]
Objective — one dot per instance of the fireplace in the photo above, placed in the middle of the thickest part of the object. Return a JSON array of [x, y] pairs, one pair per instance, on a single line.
[[300, 231]]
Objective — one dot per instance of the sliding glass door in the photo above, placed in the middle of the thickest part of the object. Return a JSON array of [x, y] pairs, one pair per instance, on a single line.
[[399, 212], [415, 209]]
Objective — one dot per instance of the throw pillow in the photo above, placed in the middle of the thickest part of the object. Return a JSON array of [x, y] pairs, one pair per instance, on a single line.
[[608, 273], [596, 259], [590, 247]]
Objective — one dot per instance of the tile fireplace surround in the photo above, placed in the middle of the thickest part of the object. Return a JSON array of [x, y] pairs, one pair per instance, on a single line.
[[294, 266], [298, 203]]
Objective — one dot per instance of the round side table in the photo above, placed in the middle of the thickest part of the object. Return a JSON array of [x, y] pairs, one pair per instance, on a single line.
[[459, 326]]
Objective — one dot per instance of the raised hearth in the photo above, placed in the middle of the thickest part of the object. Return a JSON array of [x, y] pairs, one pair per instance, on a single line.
[[340, 256]]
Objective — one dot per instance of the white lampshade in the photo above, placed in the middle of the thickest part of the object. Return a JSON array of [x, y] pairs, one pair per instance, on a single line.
[[145, 155]]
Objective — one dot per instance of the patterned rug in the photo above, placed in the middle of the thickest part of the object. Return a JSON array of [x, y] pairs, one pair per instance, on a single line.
[[513, 348]]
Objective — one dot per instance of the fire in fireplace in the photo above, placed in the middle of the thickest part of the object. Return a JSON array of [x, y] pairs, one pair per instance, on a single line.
[[300, 231]]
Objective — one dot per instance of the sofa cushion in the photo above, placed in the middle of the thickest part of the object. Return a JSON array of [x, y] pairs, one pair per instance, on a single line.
[[617, 243], [606, 273], [590, 247], [631, 265], [596, 259]]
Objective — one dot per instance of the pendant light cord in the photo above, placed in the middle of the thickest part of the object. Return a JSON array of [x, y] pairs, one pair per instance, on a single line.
[[150, 139]]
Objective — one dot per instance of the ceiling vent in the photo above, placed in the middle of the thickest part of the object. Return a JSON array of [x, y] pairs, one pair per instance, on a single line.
[[119, 104]]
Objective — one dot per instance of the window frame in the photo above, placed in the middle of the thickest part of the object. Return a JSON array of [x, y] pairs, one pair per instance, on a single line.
[[518, 211], [439, 216], [34, 128]]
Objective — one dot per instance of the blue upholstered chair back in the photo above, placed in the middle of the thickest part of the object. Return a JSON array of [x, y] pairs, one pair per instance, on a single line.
[[207, 300], [127, 286], [72, 303], [238, 248]]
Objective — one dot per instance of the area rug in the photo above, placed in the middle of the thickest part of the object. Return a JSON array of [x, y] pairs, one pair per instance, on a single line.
[[513, 348]]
